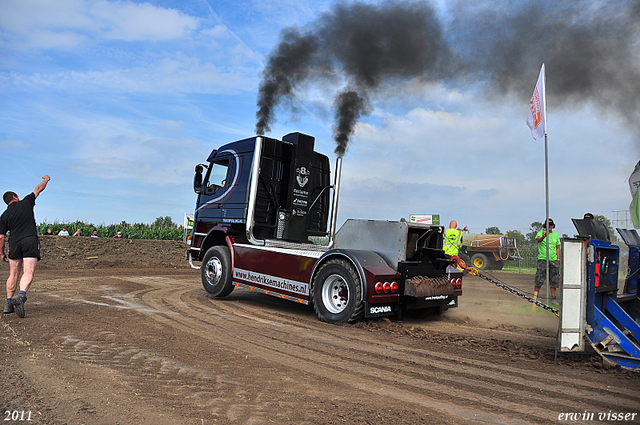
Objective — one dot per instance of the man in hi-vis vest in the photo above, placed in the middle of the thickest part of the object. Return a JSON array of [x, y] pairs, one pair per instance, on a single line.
[[452, 239]]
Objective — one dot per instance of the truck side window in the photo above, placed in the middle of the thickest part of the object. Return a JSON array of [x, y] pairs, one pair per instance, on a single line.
[[217, 175]]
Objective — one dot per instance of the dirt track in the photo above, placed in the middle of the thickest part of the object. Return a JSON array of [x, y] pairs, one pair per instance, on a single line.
[[135, 344]]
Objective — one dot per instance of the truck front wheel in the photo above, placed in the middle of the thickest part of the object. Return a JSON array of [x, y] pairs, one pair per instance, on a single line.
[[337, 293], [216, 271]]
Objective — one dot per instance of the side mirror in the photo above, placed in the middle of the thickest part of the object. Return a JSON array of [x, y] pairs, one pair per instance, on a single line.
[[197, 179]]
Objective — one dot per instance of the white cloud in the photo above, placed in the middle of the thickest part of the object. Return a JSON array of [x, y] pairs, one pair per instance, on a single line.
[[12, 143], [290, 11], [129, 21], [172, 74], [172, 125], [47, 24], [217, 31], [155, 162]]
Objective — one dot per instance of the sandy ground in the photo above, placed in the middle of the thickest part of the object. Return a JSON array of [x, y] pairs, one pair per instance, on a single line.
[[121, 332]]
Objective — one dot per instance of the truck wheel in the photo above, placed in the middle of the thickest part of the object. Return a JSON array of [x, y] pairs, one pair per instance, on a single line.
[[480, 261], [466, 260], [216, 271], [498, 265], [337, 293]]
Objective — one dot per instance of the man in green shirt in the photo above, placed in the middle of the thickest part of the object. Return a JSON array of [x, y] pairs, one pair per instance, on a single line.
[[554, 260]]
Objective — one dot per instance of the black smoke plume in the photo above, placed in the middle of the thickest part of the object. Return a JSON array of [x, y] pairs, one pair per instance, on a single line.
[[349, 107], [591, 50], [289, 64], [364, 45]]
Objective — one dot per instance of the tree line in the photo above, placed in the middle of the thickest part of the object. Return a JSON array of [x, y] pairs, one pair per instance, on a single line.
[[536, 226]]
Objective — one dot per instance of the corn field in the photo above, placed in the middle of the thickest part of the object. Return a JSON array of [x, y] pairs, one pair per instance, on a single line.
[[129, 231]]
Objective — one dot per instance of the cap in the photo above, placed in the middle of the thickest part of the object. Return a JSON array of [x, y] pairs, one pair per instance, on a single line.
[[588, 215], [551, 223]]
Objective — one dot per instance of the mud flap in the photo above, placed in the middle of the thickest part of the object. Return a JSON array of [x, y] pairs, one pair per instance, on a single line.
[[380, 310]]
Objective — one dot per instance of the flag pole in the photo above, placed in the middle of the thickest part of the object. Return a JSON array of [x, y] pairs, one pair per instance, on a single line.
[[546, 169], [546, 185], [536, 118]]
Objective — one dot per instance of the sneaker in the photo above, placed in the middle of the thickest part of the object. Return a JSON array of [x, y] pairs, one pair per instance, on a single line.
[[8, 308], [18, 304]]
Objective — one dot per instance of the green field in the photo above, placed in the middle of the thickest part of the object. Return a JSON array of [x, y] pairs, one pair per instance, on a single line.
[[161, 230]]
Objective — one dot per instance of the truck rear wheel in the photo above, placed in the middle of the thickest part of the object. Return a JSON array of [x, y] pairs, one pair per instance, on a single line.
[[480, 261], [337, 293], [216, 271]]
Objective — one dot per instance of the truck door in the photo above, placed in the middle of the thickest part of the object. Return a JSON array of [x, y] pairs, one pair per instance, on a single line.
[[220, 201]]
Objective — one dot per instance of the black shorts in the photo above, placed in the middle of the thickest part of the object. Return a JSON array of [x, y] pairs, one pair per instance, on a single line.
[[28, 247]]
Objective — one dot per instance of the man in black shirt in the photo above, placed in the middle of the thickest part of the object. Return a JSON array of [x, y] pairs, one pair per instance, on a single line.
[[24, 247]]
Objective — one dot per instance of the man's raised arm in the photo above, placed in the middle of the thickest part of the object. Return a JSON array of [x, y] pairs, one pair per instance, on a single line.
[[39, 188]]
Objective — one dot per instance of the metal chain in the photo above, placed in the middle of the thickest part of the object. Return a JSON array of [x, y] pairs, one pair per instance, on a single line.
[[513, 290]]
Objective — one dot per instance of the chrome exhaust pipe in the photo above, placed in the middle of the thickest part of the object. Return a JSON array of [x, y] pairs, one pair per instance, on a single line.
[[253, 191], [336, 195]]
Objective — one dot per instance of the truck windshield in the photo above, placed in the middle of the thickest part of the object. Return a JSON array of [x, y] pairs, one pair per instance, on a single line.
[[218, 175]]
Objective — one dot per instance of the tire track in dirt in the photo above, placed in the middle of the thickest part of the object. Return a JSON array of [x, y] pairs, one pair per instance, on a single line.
[[174, 379], [467, 374], [213, 390], [358, 358], [276, 350], [451, 383], [456, 364]]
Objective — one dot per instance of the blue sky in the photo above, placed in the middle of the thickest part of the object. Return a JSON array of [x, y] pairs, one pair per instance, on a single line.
[[118, 101]]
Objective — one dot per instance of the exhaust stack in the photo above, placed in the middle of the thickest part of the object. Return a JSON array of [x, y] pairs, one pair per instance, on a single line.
[[334, 204]]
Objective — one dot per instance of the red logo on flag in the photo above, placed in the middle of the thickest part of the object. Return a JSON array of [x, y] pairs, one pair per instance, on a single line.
[[536, 108]]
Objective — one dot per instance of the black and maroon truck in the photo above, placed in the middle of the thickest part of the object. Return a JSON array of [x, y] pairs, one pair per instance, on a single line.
[[261, 221]]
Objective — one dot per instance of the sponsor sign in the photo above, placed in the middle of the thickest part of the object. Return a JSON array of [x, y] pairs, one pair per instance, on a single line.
[[436, 297], [188, 221], [302, 176], [232, 220], [276, 283], [425, 218]]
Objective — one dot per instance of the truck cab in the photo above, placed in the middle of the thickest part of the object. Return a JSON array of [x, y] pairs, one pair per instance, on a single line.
[[291, 200]]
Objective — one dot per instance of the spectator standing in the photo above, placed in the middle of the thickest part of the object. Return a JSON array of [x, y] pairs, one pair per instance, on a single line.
[[94, 234], [553, 240], [63, 232], [452, 239], [24, 247]]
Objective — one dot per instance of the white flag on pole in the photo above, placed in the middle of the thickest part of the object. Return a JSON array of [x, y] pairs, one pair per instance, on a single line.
[[537, 117]]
